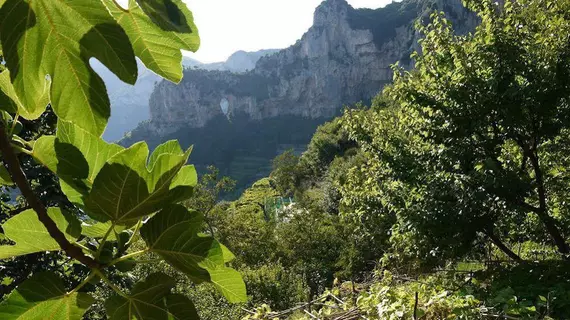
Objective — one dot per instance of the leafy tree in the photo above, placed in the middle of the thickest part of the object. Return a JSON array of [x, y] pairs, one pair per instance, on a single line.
[[311, 245], [247, 224], [329, 142], [207, 193], [284, 172], [470, 143], [274, 285], [492, 102], [115, 195], [379, 194], [45, 184]]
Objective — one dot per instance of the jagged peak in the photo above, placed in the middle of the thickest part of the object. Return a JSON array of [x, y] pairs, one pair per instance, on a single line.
[[331, 10], [334, 3]]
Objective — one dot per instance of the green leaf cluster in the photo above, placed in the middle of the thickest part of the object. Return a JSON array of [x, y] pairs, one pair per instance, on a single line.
[[48, 44], [151, 299], [43, 296], [114, 194]]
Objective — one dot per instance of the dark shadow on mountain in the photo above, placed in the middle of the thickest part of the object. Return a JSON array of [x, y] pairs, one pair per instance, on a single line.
[[241, 148]]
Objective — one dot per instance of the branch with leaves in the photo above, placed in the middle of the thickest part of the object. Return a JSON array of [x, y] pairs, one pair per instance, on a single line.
[[123, 193]]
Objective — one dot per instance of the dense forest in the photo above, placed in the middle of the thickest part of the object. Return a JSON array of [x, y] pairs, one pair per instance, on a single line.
[[445, 198]]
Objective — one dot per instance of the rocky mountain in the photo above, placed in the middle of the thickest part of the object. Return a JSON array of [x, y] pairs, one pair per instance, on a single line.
[[240, 61], [344, 58], [130, 104]]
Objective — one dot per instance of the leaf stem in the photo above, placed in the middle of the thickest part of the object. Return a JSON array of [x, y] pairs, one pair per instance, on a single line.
[[110, 284], [13, 165], [85, 248], [22, 150], [104, 239], [128, 256], [135, 233], [22, 141], [14, 122], [83, 283]]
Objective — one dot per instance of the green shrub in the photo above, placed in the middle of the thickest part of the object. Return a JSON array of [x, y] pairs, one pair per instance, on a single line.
[[273, 285]]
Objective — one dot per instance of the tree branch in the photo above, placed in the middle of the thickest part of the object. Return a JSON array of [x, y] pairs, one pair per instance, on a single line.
[[13, 165], [548, 221], [489, 233]]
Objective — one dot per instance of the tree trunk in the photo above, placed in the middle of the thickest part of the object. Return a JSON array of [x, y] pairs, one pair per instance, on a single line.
[[548, 221], [496, 241]]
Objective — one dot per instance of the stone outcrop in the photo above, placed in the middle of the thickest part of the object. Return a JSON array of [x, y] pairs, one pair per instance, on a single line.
[[344, 58], [130, 104]]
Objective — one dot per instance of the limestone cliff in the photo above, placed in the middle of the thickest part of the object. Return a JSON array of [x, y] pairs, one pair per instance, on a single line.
[[130, 104], [344, 58], [239, 122]]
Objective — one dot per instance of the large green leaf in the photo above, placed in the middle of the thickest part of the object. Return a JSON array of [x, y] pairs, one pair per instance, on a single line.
[[173, 233], [76, 156], [43, 297], [126, 189], [180, 308], [5, 178], [157, 39], [99, 230], [8, 99], [57, 38], [228, 255], [31, 236], [146, 301], [170, 15], [230, 283]]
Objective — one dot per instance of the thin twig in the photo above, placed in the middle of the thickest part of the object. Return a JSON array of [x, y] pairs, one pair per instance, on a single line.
[[416, 307], [337, 299], [83, 283], [128, 256], [110, 284], [310, 314], [102, 243], [248, 311], [291, 310], [13, 165], [499, 316]]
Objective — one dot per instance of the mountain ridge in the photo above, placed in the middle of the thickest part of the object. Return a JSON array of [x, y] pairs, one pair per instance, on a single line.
[[343, 59], [129, 104]]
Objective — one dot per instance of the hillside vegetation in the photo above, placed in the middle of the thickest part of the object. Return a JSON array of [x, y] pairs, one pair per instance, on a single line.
[[445, 198]]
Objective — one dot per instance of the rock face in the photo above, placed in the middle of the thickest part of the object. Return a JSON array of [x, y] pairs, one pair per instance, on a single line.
[[130, 104], [240, 61], [239, 122], [344, 58]]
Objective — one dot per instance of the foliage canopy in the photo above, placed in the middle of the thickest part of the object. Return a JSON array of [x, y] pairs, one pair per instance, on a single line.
[[114, 195]]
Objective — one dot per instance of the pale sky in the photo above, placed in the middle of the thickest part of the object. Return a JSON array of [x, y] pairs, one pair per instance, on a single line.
[[227, 26]]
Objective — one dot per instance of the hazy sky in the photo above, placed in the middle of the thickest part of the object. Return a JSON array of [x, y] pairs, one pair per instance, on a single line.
[[227, 26]]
